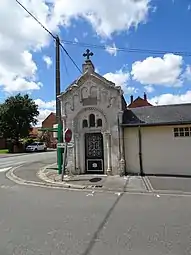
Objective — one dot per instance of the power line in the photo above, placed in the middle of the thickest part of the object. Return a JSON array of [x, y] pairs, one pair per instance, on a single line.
[[70, 58], [64, 62], [123, 49], [36, 19], [50, 33]]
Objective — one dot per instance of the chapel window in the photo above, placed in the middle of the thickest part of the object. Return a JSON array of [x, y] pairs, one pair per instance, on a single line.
[[99, 122], [92, 120], [85, 123]]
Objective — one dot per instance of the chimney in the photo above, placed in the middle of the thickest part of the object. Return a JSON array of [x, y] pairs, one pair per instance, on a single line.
[[145, 96], [88, 66], [131, 99]]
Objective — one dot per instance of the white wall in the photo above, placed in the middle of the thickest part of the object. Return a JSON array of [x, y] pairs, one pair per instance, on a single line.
[[162, 153], [108, 106], [131, 142]]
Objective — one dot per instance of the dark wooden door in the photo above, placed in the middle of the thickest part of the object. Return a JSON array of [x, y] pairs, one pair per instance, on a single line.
[[94, 153]]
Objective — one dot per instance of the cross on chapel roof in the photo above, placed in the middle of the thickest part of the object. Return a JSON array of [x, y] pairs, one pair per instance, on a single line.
[[88, 54]]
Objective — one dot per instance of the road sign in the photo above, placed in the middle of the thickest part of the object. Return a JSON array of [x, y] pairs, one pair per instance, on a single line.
[[60, 145], [68, 135]]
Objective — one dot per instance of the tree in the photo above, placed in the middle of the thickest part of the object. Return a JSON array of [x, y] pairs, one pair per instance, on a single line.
[[45, 137], [17, 115]]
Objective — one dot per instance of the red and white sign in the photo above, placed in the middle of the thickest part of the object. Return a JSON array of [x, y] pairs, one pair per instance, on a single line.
[[68, 135]]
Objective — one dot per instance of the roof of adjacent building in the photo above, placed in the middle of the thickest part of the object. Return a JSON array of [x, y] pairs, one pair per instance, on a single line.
[[34, 131], [139, 102], [158, 115], [52, 113]]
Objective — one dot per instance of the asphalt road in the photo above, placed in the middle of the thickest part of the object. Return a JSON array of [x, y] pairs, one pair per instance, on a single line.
[[9, 161], [46, 221]]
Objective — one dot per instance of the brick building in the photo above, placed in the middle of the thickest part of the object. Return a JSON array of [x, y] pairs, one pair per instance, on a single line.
[[139, 102], [49, 123]]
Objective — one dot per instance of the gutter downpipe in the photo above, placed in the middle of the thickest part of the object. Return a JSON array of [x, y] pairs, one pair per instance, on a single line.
[[140, 152], [119, 136], [121, 147]]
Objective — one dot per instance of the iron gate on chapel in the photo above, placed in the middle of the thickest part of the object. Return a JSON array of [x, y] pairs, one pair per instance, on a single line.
[[94, 154]]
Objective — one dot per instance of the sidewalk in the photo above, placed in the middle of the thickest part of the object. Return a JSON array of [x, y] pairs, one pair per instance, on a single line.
[[44, 175], [100, 182]]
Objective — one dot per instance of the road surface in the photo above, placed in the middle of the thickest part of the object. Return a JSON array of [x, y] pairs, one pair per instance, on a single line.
[[46, 221], [8, 161]]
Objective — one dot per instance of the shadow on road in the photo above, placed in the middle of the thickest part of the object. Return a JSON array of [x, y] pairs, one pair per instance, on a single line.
[[96, 234]]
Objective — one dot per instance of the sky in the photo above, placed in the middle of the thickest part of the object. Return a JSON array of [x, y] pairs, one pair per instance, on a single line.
[[159, 30]]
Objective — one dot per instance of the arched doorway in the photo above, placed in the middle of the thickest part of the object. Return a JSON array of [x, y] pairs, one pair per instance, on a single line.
[[94, 153]]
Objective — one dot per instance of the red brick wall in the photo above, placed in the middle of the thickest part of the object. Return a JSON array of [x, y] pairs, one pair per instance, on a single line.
[[48, 123]]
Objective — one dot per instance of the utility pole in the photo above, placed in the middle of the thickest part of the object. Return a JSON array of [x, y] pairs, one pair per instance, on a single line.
[[58, 107]]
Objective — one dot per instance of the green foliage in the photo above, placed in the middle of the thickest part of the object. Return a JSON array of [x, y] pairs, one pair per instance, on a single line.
[[17, 114], [45, 137], [27, 141]]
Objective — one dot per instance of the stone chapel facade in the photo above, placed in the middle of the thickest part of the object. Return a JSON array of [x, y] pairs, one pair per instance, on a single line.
[[93, 108]]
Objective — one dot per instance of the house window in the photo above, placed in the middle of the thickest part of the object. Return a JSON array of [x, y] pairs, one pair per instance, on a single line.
[[85, 123], [92, 120], [99, 122], [182, 131]]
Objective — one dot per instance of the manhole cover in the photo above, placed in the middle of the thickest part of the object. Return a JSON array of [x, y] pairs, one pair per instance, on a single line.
[[96, 179]]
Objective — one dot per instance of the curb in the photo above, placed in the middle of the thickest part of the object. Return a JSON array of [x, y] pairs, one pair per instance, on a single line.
[[68, 187], [11, 176], [41, 175]]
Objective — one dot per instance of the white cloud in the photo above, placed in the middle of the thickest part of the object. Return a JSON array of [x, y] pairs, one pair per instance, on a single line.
[[189, 7], [48, 61], [45, 105], [45, 108], [21, 35], [164, 71], [187, 74], [121, 15], [18, 71], [149, 89], [121, 78], [171, 99], [43, 114], [76, 40], [112, 50]]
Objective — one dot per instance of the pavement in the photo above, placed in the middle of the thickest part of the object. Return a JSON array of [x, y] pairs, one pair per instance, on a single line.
[[41, 220], [44, 173], [99, 182]]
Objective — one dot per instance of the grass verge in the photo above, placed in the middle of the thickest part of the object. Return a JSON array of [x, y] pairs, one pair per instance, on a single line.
[[4, 151]]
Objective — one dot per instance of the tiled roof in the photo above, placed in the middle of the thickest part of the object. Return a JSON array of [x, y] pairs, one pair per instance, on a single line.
[[34, 131], [158, 115], [139, 102]]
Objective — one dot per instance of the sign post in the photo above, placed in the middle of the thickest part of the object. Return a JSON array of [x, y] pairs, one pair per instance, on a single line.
[[67, 138], [59, 150]]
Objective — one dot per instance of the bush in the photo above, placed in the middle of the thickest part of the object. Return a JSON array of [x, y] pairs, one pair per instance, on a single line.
[[28, 141]]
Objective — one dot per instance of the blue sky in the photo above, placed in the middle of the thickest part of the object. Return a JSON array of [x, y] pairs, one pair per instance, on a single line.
[[164, 26]]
